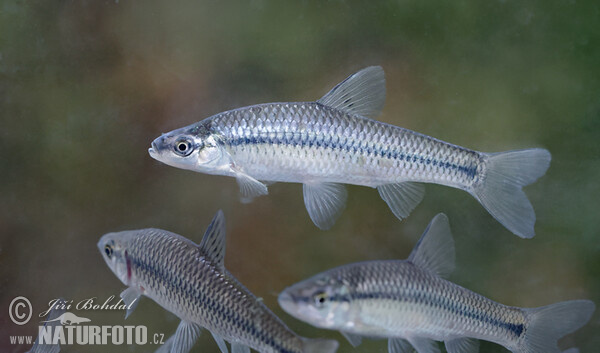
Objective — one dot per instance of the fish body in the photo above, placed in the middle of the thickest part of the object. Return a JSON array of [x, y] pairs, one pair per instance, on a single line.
[[308, 142], [191, 281], [334, 141], [410, 303]]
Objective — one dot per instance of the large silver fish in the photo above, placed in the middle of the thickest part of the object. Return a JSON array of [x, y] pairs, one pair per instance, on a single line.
[[333, 141], [191, 281], [410, 303]]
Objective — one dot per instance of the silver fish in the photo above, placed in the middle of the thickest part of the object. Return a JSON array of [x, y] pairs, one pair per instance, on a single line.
[[191, 281], [410, 303], [334, 141]]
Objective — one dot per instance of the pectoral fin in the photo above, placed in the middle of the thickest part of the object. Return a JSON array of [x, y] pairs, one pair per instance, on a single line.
[[131, 298], [324, 202], [250, 187]]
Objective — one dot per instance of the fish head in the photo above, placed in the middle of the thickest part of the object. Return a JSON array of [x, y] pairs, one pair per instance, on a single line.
[[322, 301], [193, 147], [114, 250]]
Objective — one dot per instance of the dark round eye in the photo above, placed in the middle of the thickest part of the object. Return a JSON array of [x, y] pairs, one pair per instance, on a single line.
[[108, 250], [183, 147], [320, 298]]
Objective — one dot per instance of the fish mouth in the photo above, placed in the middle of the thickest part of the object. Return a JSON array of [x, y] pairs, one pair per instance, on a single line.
[[287, 303], [153, 150]]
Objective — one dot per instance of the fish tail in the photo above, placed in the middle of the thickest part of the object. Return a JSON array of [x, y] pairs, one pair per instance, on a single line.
[[319, 345], [547, 324], [500, 191]]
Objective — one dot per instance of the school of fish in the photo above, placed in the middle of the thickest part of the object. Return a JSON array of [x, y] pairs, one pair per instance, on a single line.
[[324, 145]]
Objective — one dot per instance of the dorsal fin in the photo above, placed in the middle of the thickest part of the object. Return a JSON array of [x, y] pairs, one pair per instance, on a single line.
[[435, 250], [362, 93], [213, 242]]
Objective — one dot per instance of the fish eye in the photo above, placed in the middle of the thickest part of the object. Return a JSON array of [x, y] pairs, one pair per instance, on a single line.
[[108, 250], [320, 299], [183, 147]]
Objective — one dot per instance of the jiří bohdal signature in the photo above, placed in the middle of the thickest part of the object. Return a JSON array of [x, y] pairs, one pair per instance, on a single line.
[[85, 304]]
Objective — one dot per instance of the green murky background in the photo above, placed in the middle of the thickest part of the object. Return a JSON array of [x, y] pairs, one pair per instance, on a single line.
[[86, 85]]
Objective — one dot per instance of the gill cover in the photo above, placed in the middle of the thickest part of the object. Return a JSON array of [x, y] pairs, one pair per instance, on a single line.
[[192, 148], [113, 246]]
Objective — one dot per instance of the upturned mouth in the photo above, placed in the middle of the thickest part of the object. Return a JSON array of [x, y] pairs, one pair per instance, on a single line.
[[286, 302], [153, 150]]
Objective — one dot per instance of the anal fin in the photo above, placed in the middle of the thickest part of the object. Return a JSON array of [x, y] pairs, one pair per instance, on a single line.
[[402, 198]]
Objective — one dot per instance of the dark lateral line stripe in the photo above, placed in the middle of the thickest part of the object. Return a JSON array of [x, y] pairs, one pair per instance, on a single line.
[[469, 171], [212, 305], [516, 329]]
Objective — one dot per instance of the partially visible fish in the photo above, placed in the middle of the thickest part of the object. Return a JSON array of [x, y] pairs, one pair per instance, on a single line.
[[334, 141], [191, 281], [409, 303]]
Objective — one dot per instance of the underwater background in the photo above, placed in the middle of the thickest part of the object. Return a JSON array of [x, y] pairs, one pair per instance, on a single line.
[[85, 86]]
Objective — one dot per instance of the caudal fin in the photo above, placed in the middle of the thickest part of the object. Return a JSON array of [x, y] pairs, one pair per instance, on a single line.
[[319, 345], [500, 191], [548, 324]]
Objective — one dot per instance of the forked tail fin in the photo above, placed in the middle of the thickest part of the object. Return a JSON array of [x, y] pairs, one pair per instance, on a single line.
[[319, 345], [500, 191], [548, 324]]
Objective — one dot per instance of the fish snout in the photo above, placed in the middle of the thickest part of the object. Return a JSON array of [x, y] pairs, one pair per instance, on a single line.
[[286, 302], [155, 146]]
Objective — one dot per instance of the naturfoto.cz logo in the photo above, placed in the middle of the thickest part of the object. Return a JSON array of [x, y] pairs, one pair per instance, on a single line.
[[63, 327]]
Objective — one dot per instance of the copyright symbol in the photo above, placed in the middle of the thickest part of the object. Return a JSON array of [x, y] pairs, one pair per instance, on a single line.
[[20, 310]]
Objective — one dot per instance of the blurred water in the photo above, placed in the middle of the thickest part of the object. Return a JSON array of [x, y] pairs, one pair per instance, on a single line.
[[86, 85]]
